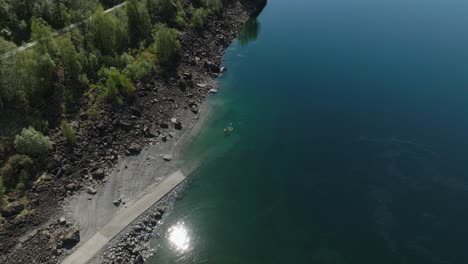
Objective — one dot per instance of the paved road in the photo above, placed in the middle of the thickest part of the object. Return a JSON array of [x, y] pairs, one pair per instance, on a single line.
[[122, 219]]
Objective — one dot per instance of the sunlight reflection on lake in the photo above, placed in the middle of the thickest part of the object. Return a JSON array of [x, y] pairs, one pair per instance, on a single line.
[[179, 237]]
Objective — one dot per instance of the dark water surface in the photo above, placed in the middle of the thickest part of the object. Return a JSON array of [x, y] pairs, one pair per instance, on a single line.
[[350, 141]]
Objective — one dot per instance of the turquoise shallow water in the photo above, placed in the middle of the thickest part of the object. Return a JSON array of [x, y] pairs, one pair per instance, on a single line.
[[350, 141]]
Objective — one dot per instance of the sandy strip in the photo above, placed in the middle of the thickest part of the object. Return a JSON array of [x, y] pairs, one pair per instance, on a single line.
[[122, 219]]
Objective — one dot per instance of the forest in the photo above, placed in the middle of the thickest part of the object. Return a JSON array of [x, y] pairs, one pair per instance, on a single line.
[[62, 75]]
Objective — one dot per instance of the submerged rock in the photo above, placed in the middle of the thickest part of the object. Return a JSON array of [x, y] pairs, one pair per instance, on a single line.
[[213, 91]]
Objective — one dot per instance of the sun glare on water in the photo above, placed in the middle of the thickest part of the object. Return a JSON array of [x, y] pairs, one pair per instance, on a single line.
[[178, 237]]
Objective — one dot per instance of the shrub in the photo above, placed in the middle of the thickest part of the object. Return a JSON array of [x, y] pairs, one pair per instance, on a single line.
[[68, 133], [32, 142], [137, 68], [170, 11], [167, 45], [214, 6], [18, 169], [2, 190], [94, 113], [198, 18], [117, 86]]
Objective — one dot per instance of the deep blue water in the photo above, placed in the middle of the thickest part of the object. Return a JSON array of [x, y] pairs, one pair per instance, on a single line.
[[350, 141]]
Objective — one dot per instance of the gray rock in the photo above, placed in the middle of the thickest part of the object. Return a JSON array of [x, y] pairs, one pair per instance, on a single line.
[[194, 109], [223, 69], [135, 149], [138, 228], [91, 190], [213, 91], [167, 157], [172, 134], [70, 186], [71, 238], [127, 126], [12, 210], [202, 85], [99, 174], [187, 75], [117, 202], [177, 124], [153, 132], [62, 220]]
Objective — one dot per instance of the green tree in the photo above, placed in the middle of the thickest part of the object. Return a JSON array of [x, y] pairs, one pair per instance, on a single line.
[[82, 9], [170, 11], [69, 58], [8, 70], [108, 32], [42, 33], [167, 45], [32, 142], [18, 169], [68, 133], [214, 6], [139, 21], [69, 67]]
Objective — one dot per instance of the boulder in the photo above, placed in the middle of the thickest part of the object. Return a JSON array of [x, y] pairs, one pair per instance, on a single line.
[[127, 126], [91, 190], [98, 174], [71, 238], [211, 66], [153, 132], [194, 109], [213, 91], [70, 186], [177, 124], [167, 157], [135, 149], [12, 210], [223, 69], [117, 202], [202, 85], [187, 76]]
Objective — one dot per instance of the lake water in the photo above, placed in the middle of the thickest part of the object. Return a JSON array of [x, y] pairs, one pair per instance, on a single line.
[[350, 140]]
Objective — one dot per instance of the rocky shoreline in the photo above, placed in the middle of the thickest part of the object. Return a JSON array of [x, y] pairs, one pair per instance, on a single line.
[[42, 235]]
